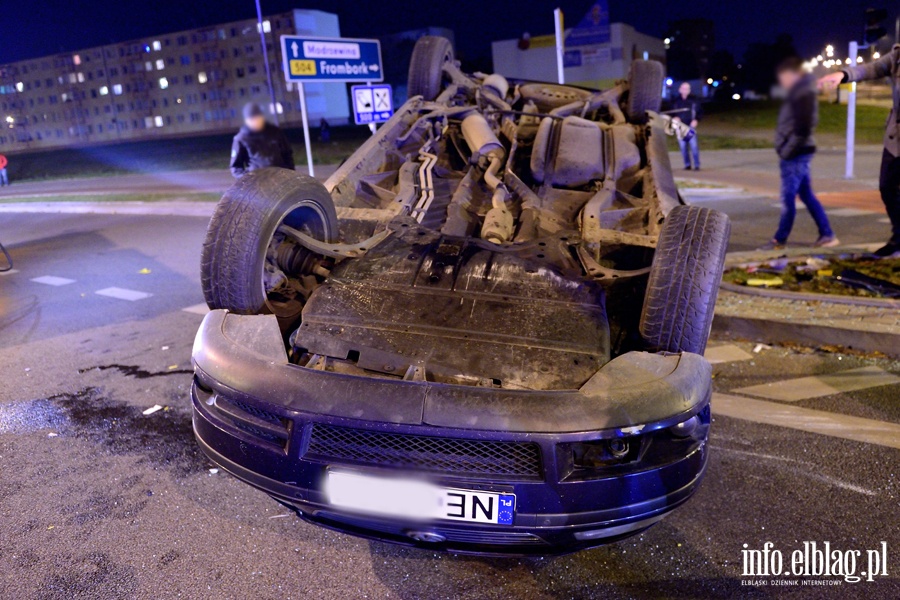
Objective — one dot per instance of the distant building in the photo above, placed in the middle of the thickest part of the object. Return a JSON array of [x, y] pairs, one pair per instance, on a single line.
[[396, 50], [593, 65], [181, 83], [690, 48]]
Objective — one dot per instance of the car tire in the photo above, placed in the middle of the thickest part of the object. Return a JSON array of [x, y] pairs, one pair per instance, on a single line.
[[233, 260], [426, 67], [645, 85], [684, 280]]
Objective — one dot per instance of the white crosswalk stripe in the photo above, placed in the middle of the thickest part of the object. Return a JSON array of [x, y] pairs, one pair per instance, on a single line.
[[122, 294], [197, 309], [53, 280], [803, 388], [725, 353], [849, 212], [857, 429]]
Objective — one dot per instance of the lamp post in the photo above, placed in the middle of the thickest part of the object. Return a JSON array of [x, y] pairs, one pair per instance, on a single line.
[[265, 51]]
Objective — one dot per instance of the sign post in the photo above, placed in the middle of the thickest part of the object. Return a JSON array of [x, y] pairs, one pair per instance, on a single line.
[[305, 118], [851, 117], [560, 45], [323, 60]]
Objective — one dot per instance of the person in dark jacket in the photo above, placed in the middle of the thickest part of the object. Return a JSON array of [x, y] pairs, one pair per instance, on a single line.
[[887, 65], [796, 146], [259, 144], [686, 109]]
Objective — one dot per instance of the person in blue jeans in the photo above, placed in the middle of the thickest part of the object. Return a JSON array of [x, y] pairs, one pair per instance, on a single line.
[[796, 147], [686, 109]]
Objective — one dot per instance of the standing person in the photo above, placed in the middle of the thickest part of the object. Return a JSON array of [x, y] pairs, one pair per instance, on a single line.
[[259, 144], [686, 108], [889, 180], [4, 179], [795, 146]]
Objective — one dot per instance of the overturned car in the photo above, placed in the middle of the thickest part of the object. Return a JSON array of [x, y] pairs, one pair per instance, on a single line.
[[483, 333]]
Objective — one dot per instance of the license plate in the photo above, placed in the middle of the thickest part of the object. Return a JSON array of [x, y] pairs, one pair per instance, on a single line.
[[416, 500]]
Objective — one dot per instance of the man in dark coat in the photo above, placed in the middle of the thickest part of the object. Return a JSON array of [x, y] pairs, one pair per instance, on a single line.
[[796, 146], [686, 108], [889, 181], [259, 144]]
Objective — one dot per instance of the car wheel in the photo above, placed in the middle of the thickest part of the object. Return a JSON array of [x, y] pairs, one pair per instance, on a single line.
[[426, 67], [684, 280], [247, 266], [645, 85]]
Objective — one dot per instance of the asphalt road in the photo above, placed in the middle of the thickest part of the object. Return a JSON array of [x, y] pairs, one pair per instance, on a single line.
[[98, 500]]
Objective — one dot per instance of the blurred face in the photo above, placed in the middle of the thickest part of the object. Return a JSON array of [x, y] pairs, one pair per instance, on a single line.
[[685, 90], [255, 123], [787, 79]]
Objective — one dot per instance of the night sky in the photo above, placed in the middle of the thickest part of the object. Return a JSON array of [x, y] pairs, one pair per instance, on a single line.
[[41, 27]]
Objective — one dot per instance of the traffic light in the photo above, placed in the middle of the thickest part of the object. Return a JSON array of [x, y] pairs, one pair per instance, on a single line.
[[875, 30]]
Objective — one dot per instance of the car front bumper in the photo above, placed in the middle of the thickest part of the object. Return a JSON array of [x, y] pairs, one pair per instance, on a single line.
[[281, 427]]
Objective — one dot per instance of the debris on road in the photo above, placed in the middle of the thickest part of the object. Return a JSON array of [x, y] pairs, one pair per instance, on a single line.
[[152, 409]]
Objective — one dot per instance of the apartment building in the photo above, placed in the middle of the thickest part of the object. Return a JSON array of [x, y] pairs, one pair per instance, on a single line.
[[175, 84]]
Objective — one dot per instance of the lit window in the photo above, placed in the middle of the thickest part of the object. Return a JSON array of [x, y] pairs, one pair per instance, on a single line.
[[148, 121], [148, 66], [163, 83], [117, 89], [76, 59], [20, 87], [72, 78], [201, 77], [104, 90], [160, 64], [158, 121], [266, 26], [80, 77], [157, 46], [276, 108]]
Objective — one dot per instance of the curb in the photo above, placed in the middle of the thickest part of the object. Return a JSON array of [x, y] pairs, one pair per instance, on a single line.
[[780, 332]]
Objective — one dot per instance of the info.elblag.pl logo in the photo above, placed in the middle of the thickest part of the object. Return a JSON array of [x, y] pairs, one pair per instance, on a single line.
[[812, 564]]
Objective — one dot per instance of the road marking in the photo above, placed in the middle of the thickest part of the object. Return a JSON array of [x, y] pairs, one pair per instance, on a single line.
[[884, 220], [849, 212], [803, 469], [198, 309], [53, 280], [725, 353], [10, 272], [123, 294], [857, 429], [793, 390]]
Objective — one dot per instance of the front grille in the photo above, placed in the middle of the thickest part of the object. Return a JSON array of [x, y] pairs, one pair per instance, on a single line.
[[255, 421], [448, 455]]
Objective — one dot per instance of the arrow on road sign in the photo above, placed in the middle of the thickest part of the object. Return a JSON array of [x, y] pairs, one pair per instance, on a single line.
[[373, 68], [294, 48]]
